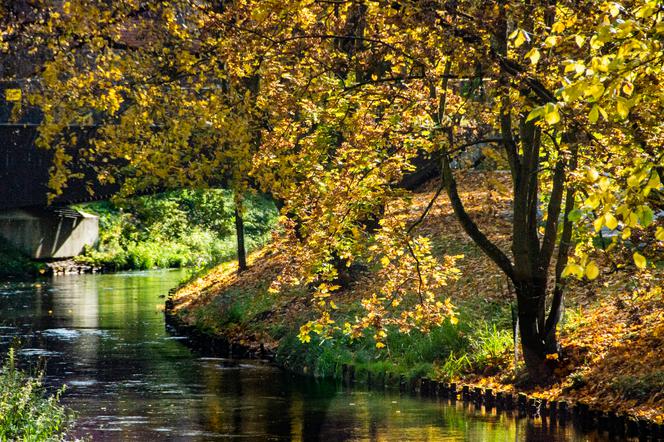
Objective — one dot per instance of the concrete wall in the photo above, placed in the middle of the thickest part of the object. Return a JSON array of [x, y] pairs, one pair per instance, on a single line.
[[49, 234]]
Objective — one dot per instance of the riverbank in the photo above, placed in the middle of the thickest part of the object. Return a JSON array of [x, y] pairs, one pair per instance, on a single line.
[[612, 333]]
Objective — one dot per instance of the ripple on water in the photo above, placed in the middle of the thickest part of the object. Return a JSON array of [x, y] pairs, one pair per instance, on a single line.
[[31, 352], [68, 334], [82, 382]]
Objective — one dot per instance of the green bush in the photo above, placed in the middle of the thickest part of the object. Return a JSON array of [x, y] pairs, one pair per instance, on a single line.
[[181, 228], [26, 412]]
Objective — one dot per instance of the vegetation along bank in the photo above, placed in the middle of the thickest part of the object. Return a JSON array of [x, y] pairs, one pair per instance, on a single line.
[[611, 332], [181, 228]]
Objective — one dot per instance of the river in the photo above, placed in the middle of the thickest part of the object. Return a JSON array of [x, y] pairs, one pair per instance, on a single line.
[[128, 379]]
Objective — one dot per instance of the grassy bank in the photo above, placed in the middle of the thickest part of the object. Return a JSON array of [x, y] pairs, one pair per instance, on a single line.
[[612, 331], [27, 412], [181, 228]]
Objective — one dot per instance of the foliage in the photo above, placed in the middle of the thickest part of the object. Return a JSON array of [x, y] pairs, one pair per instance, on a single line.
[[609, 331], [327, 104], [175, 229], [26, 412], [488, 346]]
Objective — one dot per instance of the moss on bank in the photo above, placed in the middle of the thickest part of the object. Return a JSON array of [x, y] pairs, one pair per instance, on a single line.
[[612, 335]]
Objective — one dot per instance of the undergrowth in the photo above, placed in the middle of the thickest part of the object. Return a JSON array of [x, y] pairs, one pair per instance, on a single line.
[[27, 412], [14, 263], [182, 228]]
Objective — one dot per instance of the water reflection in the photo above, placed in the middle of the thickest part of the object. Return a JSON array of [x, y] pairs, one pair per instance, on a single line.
[[104, 336]]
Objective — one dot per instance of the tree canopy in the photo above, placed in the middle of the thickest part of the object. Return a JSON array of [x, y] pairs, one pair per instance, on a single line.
[[327, 104]]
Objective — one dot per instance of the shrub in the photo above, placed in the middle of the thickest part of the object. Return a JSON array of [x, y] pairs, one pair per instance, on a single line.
[[181, 228], [26, 411]]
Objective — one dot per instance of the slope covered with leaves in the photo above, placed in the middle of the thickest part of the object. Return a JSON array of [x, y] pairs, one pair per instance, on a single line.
[[611, 334]]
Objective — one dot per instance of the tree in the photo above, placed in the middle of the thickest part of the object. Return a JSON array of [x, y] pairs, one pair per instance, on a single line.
[[441, 76], [327, 104], [158, 106]]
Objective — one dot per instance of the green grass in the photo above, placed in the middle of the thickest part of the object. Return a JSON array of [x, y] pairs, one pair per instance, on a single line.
[[480, 343], [27, 413], [445, 353]]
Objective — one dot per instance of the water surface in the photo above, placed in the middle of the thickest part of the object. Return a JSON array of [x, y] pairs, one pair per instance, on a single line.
[[129, 379]]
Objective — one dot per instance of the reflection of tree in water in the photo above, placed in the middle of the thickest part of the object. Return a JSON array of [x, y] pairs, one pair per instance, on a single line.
[[266, 402], [118, 341]]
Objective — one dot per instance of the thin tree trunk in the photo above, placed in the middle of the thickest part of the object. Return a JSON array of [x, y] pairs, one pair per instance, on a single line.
[[239, 233]]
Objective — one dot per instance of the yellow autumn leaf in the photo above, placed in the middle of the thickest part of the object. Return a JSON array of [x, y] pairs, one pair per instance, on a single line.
[[573, 269], [627, 232], [628, 88], [611, 221], [598, 223], [520, 39], [639, 260], [622, 108], [13, 95], [659, 234], [551, 116], [592, 271], [558, 27], [579, 40], [534, 55]]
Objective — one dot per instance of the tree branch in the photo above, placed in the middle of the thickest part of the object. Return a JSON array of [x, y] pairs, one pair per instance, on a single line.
[[553, 212], [469, 226]]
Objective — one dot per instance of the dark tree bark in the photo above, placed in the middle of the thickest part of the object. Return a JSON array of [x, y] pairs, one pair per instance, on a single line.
[[239, 232], [531, 257]]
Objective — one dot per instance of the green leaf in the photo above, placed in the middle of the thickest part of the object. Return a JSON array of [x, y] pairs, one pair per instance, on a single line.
[[575, 215], [646, 216], [535, 113]]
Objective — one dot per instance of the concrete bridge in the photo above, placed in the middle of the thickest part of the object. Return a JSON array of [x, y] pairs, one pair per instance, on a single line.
[[27, 221]]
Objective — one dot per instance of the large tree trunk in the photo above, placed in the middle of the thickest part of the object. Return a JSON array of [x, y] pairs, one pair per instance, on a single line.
[[531, 311], [239, 232]]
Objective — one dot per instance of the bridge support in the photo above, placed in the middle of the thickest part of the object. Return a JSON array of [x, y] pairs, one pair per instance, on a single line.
[[49, 233]]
